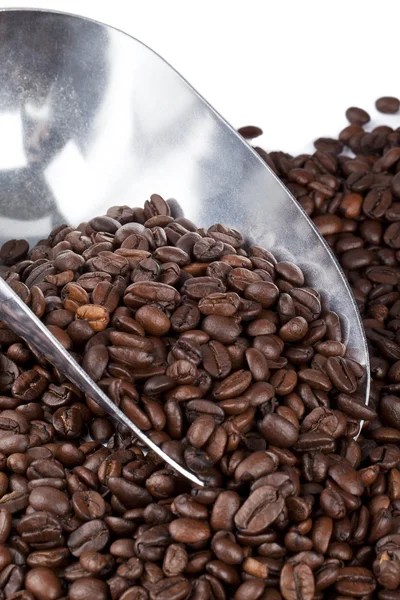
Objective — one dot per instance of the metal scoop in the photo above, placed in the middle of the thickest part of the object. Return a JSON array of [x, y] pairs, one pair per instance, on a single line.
[[89, 118]]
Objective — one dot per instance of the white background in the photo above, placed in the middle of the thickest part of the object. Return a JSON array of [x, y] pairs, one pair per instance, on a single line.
[[289, 66]]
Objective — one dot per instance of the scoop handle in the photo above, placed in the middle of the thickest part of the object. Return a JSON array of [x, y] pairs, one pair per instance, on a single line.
[[15, 313]]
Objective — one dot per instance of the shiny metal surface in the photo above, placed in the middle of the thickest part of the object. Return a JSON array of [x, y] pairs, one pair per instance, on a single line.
[[19, 318], [90, 118]]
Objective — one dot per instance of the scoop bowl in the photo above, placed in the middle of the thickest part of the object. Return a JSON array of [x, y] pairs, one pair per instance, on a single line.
[[91, 117]]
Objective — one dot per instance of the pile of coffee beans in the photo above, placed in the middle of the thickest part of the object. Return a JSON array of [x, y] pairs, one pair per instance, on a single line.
[[226, 358], [350, 187]]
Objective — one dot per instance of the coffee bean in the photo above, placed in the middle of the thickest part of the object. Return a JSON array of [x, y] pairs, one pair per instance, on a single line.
[[93, 535], [43, 583], [355, 581], [151, 292], [13, 251], [390, 408], [175, 560], [278, 431], [261, 509], [223, 329], [388, 104], [88, 505], [40, 528], [189, 531], [357, 116], [88, 587], [233, 385], [130, 494], [67, 421], [29, 386], [250, 132], [297, 581], [97, 316], [49, 499], [153, 320], [170, 588]]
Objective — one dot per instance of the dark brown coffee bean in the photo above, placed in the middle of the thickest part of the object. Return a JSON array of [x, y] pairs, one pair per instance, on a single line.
[[93, 535], [189, 531], [50, 499], [130, 494], [261, 509], [224, 510], [153, 320], [151, 292], [29, 386], [278, 431], [223, 304], [88, 505], [67, 421], [175, 560], [105, 294], [294, 330], [264, 292], [250, 132], [354, 408], [200, 431], [53, 558], [319, 381], [222, 329], [88, 587], [387, 104], [5, 524], [233, 385], [357, 116], [40, 528], [170, 588], [13, 251], [355, 581], [216, 359], [43, 583], [290, 272], [341, 374], [297, 581], [390, 410]]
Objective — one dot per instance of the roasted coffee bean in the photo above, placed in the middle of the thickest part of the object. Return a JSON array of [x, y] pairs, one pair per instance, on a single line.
[[175, 560], [13, 251], [93, 535], [261, 509], [216, 359], [250, 132], [278, 431], [387, 104], [357, 116], [88, 587], [189, 531], [40, 528], [355, 581], [49, 499], [67, 421], [151, 292], [297, 581], [29, 386], [97, 316], [88, 505], [130, 494], [43, 583]]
